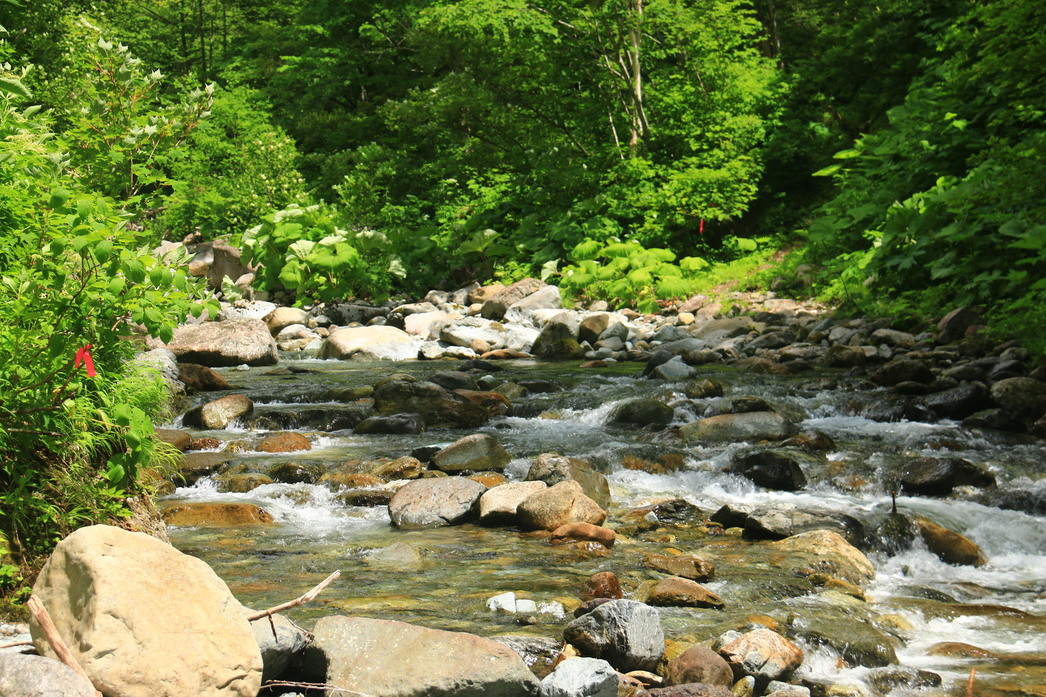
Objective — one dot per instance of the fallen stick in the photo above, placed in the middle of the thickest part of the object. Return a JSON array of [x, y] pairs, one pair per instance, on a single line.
[[42, 618], [17, 643], [314, 686], [969, 685], [308, 597]]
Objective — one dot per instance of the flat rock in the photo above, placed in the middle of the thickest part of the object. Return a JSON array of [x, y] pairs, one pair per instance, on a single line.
[[828, 552], [749, 426], [227, 343], [395, 659], [675, 591], [378, 343], [217, 515]]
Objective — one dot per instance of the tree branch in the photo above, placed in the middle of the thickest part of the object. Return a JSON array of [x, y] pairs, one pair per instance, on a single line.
[[308, 597]]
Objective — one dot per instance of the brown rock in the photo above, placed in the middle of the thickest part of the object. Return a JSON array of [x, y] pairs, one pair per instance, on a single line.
[[828, 552], [496, 306], [762, 653], [683, 565], [216, 515], [219, 413], [405, 467], [285, 442], [179, 440], [585, 532], [495, 403], [200, 378], [602, 585], [950, 546], [499, 504], [195, 466], [558, 505], [699, 664], [682, 592]]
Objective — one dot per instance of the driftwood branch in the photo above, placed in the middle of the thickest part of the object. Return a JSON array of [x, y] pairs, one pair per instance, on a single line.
[[16, 644], [308, 597], [42, 618]]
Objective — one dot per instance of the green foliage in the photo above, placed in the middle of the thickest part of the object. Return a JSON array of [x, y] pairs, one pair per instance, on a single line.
[[75, 420], [118, 129], [235, 167], [947, 199], [628, 274], [303, 251]]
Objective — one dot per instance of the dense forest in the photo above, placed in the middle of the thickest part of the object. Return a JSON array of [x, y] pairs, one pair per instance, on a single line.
[[888, 157]]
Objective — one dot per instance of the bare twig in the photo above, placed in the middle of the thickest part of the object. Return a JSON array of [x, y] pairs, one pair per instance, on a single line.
[[39, 613], [314, 686], [16, 643], [308, 597], [969, 684]]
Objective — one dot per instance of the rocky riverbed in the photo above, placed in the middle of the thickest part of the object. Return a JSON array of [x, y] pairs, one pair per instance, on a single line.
[[767, 500]]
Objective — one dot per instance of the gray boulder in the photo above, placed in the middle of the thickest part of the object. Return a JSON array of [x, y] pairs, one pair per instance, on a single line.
[[395, 659], [435, 502], [626, 633]]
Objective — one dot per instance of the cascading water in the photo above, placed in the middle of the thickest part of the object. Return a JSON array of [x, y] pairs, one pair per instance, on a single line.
[[936, 617]]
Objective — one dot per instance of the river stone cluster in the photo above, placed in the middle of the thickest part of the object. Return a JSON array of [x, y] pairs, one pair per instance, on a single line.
[[103, 588]]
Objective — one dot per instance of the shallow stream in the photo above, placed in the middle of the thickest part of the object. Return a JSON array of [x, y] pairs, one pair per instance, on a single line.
[[916, 604]]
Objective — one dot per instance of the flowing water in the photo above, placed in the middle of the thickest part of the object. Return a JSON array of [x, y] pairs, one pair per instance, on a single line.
[[930, 615]]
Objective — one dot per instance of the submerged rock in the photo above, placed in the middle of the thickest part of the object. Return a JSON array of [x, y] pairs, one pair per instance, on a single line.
[[217, 515], [754, 425]]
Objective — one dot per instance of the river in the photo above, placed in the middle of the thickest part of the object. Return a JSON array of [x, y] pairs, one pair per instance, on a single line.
[[917, 607]]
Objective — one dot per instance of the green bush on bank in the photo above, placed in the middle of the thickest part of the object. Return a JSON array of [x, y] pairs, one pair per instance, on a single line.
[[75, 287]]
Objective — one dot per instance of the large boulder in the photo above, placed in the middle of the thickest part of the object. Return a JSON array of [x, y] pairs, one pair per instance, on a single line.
[[558, 339], [748, 426], [395, 659], [558, 505], [938, 476], [283, 317], [626, 633], [769, 470], [280, 642], [435, 502], [476, 333], [1022, 397], [378, 343], [217, 261], [437, 406], [145, 620], [234, 341], [219, 413], [477, 452]]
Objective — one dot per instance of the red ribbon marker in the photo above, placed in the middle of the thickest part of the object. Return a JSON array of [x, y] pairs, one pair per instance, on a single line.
[[84, 356], [701, 227]]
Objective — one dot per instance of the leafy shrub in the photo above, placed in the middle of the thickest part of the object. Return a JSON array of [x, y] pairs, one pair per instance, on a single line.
[[75, 420], [303, 251], [626, 273]]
